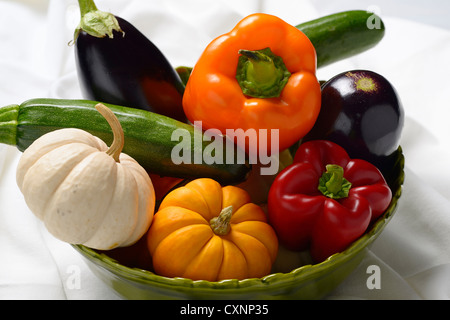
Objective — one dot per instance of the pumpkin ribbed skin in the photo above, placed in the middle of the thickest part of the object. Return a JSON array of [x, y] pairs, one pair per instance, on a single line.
[[183, 244], [82, 194]]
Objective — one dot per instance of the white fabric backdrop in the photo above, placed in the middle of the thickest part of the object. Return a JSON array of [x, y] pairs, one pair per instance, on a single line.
[[413, 252]]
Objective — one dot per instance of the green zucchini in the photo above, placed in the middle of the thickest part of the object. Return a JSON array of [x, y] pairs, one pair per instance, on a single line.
[[148, 137], [341, 35]]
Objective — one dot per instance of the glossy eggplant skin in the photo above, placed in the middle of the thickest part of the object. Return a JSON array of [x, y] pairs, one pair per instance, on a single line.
[[362, 112], [128, 70]]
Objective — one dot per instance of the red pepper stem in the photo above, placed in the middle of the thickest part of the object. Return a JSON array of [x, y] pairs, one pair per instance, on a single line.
[[332, 183]]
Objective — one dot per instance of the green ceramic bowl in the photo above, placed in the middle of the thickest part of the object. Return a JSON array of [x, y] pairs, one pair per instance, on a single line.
[[312, 281]]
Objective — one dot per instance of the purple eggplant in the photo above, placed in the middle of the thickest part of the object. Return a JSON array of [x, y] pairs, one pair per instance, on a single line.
[[362, 112], [117, 64]]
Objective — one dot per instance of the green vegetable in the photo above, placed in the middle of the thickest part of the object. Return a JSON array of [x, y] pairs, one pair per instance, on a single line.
[[184, 73], [261, 73], [148, 137], [342, 35]]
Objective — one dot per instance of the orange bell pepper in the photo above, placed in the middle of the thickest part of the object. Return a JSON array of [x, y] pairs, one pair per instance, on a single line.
[[261, 75]]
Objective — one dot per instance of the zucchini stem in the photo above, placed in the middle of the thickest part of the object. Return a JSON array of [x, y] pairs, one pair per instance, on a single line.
[[8, 124]]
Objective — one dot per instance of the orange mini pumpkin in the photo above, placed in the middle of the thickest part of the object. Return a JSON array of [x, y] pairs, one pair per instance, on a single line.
[[204, 231]]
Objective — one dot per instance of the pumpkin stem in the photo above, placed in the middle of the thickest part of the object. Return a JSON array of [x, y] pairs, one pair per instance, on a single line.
[[117, 145], [221, 224]]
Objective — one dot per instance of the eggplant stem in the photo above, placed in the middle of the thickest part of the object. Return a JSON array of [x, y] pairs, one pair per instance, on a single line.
[[95, 22], [86, 6]]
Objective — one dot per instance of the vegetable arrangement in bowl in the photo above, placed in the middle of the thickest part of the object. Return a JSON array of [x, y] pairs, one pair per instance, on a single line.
[[188, 196]]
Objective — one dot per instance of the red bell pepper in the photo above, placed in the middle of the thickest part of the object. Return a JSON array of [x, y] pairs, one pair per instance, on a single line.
[[325, 200]]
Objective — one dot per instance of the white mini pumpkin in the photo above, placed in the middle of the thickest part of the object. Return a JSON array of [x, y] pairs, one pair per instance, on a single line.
[[85, 192]]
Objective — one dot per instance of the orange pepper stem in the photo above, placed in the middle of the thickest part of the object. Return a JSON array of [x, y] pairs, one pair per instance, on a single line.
[[261, 73], [221, 224], [332, 183]]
